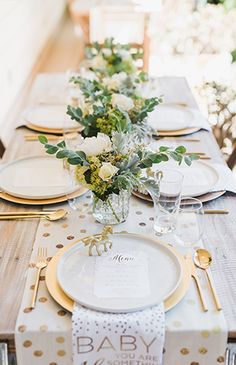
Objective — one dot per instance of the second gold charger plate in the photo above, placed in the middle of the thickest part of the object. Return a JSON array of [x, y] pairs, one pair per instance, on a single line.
[[61, 199], [180, 132], [204, 198], [67, 303], [52, 130]]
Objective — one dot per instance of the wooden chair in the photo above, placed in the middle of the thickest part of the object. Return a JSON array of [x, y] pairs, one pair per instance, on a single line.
[[124, 24], [2, 148], [231, 162]]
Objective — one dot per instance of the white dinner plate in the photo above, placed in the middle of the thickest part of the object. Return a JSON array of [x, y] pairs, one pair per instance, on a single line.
[[40, 177], [199, 178], [49, 116], [136, 273], [170, 118]]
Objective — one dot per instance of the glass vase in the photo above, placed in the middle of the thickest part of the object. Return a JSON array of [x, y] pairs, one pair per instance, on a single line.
[[113, 210]]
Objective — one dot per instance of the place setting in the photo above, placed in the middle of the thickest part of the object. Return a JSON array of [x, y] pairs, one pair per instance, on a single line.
[[38, 180]]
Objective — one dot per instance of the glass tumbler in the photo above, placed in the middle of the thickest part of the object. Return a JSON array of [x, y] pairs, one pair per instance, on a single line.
[[166, 202]]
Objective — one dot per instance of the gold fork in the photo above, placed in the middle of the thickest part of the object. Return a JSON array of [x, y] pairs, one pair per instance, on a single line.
[[40, 264]]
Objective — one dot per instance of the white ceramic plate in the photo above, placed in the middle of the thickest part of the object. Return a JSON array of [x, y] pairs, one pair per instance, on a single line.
[[40, 177], [137, 273], [170, 118], [49, 116], [199, 178]]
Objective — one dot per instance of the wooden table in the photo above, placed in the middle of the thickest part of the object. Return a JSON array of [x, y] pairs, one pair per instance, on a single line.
[[17, 237]]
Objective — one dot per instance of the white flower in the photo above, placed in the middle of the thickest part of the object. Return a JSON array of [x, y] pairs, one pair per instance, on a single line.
[[107, 52], [124, 54], [98, 62], [115, 81], [107, 170], [122, 102], [93, 146]]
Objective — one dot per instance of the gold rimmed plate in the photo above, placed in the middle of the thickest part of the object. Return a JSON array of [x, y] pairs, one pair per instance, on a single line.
[[81, 191], [66, 302], [204, 198], [52, 130], [180, 132]]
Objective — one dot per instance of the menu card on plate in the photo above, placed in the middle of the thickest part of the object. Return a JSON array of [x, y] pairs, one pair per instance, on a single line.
[[122, 275]]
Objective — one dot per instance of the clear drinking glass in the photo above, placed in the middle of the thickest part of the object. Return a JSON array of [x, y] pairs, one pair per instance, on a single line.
[[166, 202], [189, 222]]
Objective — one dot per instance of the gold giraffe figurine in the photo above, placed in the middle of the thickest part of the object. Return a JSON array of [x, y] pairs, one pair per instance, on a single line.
[[99, 239]]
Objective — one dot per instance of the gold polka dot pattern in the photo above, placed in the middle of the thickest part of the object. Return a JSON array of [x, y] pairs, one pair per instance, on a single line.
[[205, 334], [42, 300], [202, 350], [38, 353], [61, 353], [184, 351], [27, 343], [60, 339], [22, 328], [43, 328]]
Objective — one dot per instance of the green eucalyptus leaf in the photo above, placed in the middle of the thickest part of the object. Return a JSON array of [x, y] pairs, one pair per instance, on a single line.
[[180, 149], [61, 144], [51, 150], [42, 139]]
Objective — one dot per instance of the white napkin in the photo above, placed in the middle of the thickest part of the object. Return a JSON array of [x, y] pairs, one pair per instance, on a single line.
[[226, 178], [128, 337]]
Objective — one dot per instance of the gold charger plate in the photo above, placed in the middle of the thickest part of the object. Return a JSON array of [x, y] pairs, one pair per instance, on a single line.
[[204, 198], [60, 199], [180, 132], [67, 303], [36, 128]]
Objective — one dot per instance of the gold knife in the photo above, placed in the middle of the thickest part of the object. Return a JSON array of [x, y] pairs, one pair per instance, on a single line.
[[216, 211], [197, 282]]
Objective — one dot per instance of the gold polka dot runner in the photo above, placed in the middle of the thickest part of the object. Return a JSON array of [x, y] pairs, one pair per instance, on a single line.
[[44, 335]]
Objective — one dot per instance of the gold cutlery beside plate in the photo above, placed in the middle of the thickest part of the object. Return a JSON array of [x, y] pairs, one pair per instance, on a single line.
[[51, 216], [203, 260], [50, 137], [40, 264], [197, 282]]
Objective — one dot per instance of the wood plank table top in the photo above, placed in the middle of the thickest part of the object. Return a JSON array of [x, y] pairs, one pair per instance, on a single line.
[[17, 237]]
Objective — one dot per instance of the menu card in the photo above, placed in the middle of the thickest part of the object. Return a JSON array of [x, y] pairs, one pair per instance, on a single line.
[[122, 275]]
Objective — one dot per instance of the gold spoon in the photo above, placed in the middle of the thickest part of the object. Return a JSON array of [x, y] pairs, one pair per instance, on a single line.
[[53, 216], [203, 259], [26, 212]]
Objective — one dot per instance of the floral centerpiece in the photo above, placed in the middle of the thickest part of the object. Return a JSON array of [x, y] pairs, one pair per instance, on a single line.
[[114, 105], [111, 58], [111, 169]]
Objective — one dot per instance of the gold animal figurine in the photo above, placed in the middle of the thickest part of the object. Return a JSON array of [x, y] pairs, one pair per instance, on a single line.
[[99, 239]]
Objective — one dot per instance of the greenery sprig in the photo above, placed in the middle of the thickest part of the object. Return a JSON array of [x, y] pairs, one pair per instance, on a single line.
[[127, 164]]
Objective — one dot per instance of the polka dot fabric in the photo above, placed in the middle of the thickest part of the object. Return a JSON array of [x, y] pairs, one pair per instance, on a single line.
[[44, 335], [139, 335]]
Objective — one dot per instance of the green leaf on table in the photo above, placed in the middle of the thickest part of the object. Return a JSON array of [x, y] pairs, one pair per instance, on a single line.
[[42, 139], [180, 149], [51, 150], [63, 154], [187, 160], [164, 149], [62, 144]]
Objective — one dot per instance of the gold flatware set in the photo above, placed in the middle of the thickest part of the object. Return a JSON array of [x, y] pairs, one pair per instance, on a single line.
[[41, 263], [48, 215], [50, 137], [202, 259]]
